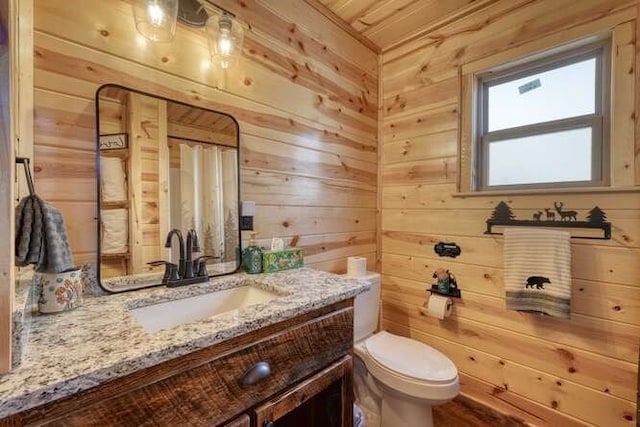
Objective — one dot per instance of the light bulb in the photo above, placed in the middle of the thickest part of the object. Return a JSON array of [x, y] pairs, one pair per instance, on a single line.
[[224, 43], [155, 14], [225, 40]]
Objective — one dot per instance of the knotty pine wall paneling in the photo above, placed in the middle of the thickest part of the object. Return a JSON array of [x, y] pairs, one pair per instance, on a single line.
[[546, 371], [146, 125], [16, 130], [305, 95], [7, 186]]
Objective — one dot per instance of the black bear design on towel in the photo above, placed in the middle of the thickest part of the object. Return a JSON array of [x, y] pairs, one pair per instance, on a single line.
[[538, 281]]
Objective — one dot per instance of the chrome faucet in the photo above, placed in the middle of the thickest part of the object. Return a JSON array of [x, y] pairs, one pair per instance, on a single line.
[[167, 244]]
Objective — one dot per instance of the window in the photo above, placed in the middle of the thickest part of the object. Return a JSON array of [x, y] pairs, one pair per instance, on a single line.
[[544, 123]]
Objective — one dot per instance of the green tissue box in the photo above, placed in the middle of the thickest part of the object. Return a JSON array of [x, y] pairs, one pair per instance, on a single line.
[[282, 260]]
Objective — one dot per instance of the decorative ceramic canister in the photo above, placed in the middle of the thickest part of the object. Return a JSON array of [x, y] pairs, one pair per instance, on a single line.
[[60, 291], [252, 256]]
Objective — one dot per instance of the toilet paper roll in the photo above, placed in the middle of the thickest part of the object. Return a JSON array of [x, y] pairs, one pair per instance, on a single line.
[[356, 266], [439, 306]]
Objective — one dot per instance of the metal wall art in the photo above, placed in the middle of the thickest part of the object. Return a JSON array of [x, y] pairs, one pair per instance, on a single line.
[[447, 249], [557, 217]]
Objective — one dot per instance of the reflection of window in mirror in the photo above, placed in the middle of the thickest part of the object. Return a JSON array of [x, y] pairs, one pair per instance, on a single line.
[[165, 165]]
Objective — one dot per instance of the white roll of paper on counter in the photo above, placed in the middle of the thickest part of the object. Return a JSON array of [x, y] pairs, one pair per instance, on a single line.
[[356, 266], [439, 306]]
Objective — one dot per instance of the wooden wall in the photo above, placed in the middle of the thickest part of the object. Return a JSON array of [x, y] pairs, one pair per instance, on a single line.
[[546, 371], [147, 128], [305, 95], [7, 187]]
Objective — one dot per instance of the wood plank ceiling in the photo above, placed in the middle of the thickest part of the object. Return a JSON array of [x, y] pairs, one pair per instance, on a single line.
[[385, 24]]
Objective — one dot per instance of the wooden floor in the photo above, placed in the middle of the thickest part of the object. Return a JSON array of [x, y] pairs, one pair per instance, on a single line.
[[464, 412]]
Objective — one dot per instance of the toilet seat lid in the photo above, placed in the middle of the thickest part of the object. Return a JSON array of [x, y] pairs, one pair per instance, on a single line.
[[411, 358]]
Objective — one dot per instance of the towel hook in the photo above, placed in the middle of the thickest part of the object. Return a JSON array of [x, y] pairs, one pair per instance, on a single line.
[[27, 171]]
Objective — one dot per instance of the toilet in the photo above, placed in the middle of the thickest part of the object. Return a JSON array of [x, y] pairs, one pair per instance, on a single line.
[[407, 376]]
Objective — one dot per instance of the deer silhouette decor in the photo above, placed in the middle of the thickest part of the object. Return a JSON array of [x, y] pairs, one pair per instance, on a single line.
[[565, 215], [551, 216], [503, 216]]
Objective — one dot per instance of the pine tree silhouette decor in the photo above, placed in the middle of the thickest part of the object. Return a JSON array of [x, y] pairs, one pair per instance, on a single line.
[[502, 212], [597, 216], [596, 219]]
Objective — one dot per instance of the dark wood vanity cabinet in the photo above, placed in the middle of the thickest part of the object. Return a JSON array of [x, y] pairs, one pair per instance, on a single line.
[[241, 421], [294, 373], [322, 400]]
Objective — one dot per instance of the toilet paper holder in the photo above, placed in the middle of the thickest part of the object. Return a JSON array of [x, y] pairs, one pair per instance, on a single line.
[[455, 293]]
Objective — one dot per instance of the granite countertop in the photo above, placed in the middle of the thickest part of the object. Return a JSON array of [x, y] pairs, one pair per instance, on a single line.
[[100, 341], [21, 316]]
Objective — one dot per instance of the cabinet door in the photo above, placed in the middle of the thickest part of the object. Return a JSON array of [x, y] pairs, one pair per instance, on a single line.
[[241, 421], [324, 399]]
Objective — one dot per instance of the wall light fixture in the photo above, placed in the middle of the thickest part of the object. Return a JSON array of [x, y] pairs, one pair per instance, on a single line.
[[225, 39], [156, 20]]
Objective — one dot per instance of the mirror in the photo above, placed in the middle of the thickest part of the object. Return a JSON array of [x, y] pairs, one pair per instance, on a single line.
[[163, 165]]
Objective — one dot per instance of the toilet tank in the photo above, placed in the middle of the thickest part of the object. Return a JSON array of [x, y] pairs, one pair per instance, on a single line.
[[366, 306]]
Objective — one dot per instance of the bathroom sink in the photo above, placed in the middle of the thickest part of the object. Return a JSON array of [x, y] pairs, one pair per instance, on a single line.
[[173, 313]]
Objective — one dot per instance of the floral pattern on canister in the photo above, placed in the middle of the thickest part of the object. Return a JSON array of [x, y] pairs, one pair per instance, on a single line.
[[60, 292], [282, 260]]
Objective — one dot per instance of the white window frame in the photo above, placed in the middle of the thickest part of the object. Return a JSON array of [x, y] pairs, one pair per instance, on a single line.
[[599, 121]]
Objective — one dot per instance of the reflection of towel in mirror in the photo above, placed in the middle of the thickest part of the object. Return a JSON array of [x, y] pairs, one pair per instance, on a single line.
[[537, 270], [40, 237], [112, 179], [115, 231]]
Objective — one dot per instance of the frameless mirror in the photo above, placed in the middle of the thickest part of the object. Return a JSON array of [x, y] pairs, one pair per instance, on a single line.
[[162, 166]]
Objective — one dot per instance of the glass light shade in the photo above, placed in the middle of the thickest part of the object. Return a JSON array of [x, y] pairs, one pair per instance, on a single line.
[[156, 19], [225, 40]]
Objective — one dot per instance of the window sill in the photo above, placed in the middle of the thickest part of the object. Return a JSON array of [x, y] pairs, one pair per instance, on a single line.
[[542, 191]]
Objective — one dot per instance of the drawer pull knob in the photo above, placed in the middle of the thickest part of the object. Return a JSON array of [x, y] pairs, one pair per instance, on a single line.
[[268, 423], [256, 373]]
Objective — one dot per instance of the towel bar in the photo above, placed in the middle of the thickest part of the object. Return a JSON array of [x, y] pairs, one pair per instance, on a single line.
[[503, 216]]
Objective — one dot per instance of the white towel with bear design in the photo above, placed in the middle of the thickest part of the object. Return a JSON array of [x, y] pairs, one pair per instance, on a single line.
[[537, 270]]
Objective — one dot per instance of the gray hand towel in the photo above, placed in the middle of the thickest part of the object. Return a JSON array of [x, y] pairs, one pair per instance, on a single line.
[[24, 223], [41, 238], [28, 232]]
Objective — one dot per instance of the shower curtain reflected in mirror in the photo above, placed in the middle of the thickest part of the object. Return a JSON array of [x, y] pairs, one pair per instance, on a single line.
[[198, 177]]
